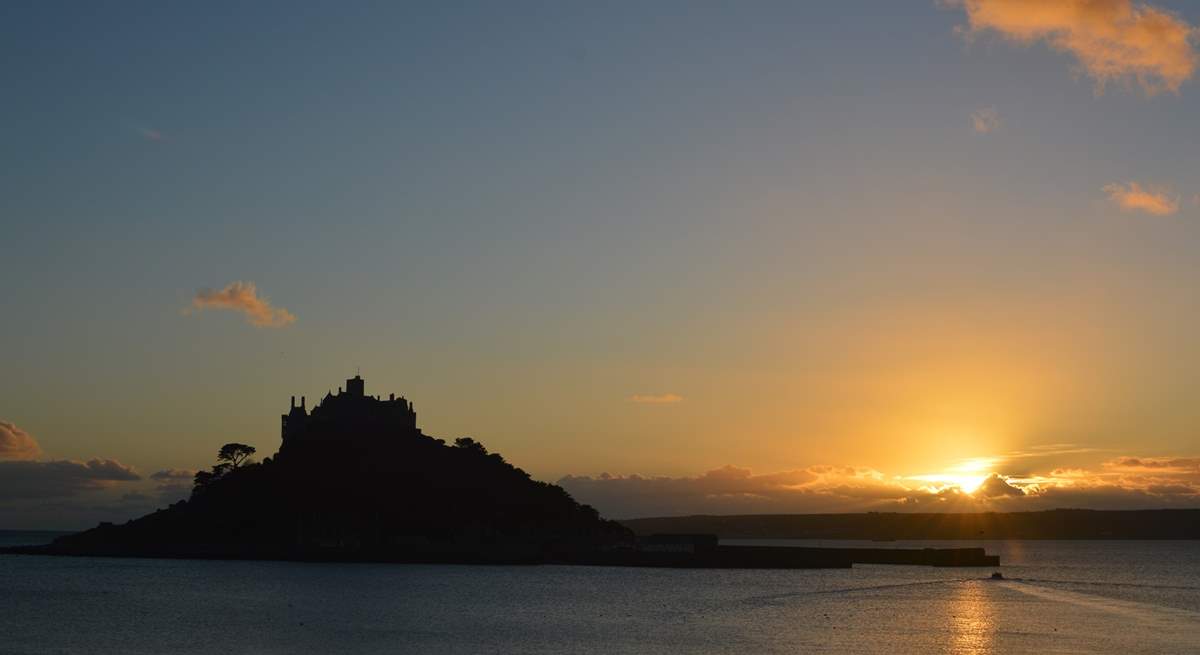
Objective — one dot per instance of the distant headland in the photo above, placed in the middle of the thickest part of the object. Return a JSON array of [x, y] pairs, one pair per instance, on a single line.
[[892, 526]]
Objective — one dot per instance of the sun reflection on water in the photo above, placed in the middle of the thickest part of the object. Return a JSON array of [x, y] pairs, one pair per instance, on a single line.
[[972, 622]]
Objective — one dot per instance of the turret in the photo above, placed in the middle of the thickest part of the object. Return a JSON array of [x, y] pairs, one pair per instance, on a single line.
[[294, 420]]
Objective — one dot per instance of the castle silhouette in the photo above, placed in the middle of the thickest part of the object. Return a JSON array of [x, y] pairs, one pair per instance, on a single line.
[[347, 418]]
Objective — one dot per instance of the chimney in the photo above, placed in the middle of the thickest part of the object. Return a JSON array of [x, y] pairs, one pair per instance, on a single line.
[[391, 396], [293, 402], [301, 402]]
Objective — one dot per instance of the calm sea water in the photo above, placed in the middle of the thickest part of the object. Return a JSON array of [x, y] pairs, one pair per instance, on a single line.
[[1060, 597]]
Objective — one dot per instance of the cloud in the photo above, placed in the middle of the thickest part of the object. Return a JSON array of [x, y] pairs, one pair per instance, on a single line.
[[1112, 40], [1121, 483], [59, 479], [995, 486], [66, 494], [729, 489], [16, 443], [985, 120], [173, 484], [55, 494], [1181, 465], [243, 297], [173, 474], [1152, 200], [656, 399]]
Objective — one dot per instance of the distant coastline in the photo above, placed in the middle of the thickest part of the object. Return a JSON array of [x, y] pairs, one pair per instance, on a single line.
[[30, 537], [880, 526]]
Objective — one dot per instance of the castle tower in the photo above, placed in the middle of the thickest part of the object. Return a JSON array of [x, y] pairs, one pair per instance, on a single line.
[[295, 419], [353, 417]]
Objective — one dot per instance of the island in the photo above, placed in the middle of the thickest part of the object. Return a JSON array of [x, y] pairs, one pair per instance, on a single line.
[[355, 479]]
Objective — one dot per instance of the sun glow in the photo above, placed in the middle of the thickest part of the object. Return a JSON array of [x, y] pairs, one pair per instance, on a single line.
[[965, 483], [966, 476]]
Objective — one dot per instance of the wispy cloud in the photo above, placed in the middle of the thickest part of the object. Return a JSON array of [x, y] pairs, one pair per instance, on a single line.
[[1112, 40], [243, 297], [1149, 199], [16, 443], [1157, 465], [985, 120], [656, 399]]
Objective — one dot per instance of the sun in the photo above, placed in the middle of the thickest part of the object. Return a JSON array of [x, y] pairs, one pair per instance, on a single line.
[[967, 476], [968, 484]]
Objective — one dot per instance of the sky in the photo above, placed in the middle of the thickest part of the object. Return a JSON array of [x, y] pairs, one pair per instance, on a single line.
[[681, 257]]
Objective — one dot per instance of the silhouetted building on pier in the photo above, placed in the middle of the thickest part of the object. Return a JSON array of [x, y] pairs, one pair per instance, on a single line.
[[349, 416]]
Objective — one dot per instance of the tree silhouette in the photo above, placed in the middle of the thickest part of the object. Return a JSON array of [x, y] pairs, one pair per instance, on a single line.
[[234, 454], [231, 457], [467, 443], [202, 479]]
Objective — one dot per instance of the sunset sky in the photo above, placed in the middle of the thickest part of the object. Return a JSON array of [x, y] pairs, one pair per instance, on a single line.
[[682, 257]]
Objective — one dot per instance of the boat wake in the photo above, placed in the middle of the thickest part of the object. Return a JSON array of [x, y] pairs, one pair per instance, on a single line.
[[1167, 618]]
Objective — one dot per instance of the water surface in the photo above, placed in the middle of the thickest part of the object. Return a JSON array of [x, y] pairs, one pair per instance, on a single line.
[[1060, 597]]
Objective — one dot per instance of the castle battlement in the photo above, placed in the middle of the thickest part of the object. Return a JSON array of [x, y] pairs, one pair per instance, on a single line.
[[350, 415]]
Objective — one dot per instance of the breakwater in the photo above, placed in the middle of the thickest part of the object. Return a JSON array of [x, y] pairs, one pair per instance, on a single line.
[[664, 551], [702, 551]]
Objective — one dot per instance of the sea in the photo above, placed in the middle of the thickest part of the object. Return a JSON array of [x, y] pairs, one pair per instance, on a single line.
[[1055, 597]]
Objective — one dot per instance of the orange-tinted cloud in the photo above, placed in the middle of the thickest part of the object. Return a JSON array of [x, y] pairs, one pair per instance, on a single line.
[[65, 493], [1157, 465], [1135, 197], [995, 485], [1112, 40], [16, 443], [243, 297], [58, 479], [1122, 483], [656, 399], [729, 489], [985, 120]]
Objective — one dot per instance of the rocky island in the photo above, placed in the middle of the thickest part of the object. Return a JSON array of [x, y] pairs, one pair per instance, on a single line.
[[356, 479]]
